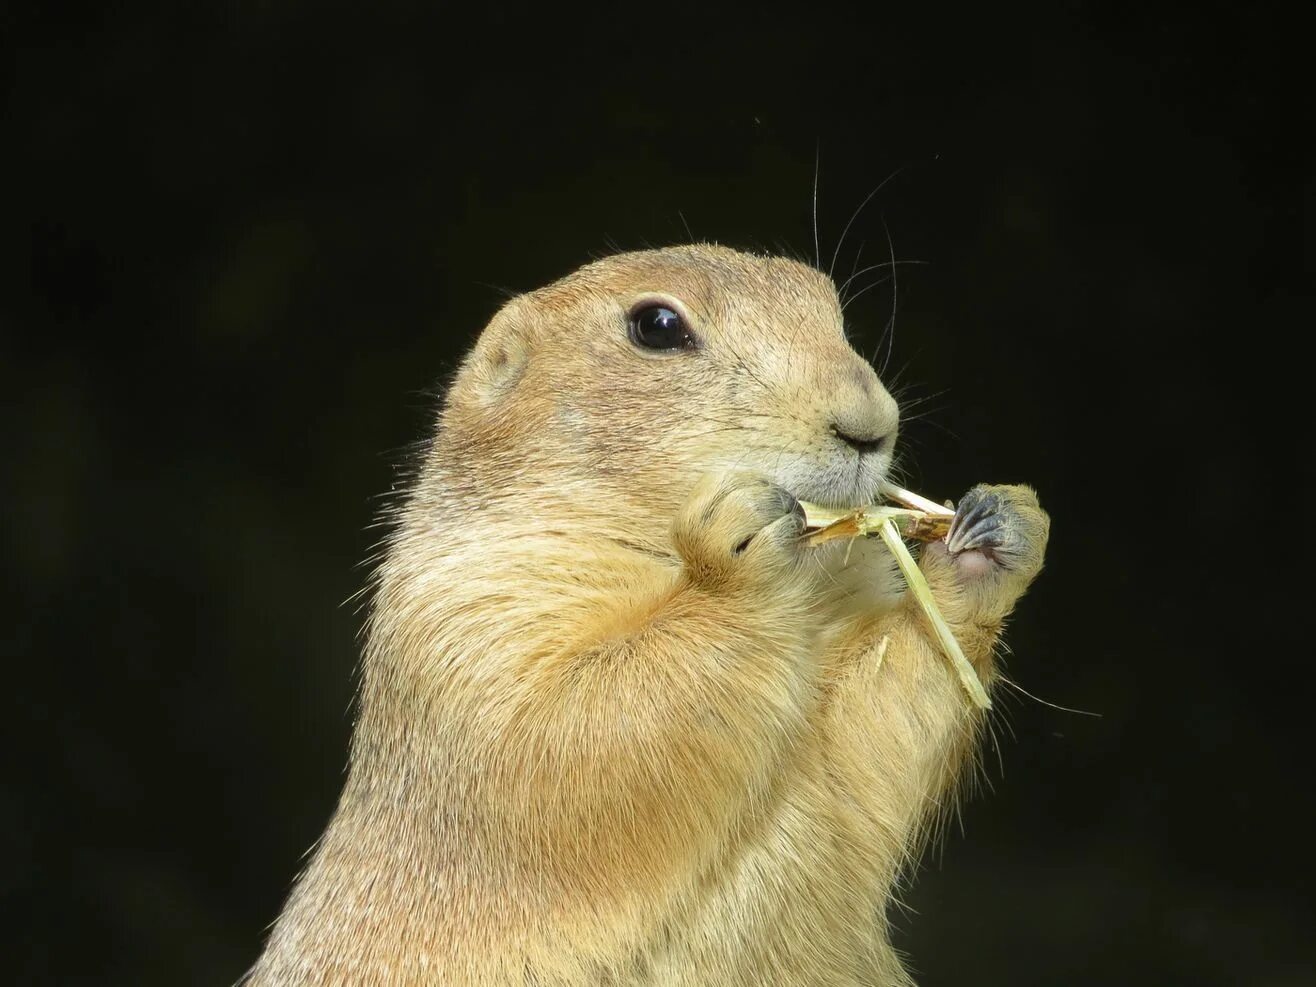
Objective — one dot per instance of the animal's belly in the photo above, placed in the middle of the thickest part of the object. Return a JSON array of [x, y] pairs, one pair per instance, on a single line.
[[795, 905]]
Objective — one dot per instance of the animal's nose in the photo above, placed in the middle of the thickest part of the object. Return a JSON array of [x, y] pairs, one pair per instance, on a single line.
[[860, 412], [860, 439]]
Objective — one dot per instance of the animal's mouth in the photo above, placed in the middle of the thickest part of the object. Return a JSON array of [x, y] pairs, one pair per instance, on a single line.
[[840, 486], [834, 502], [839, 481]]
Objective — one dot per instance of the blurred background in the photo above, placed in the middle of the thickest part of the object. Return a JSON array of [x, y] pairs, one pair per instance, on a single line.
[[246, 243]]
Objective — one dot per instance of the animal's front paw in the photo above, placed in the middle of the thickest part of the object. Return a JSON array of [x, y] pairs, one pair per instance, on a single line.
[[739, 526], [999, 530]]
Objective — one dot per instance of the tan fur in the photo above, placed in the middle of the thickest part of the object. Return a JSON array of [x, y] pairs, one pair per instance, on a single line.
[[597, 744]]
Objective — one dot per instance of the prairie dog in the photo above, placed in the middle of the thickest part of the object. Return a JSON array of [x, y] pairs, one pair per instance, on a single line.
[[616, 725]]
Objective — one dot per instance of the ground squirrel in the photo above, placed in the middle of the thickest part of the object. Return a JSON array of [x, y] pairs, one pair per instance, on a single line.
[[616, 725]]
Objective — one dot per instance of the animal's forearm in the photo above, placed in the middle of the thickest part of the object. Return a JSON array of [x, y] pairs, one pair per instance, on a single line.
[[643, 744], [901, 724]]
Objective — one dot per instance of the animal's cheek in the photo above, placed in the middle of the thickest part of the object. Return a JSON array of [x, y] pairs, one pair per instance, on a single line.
[[570, 419]]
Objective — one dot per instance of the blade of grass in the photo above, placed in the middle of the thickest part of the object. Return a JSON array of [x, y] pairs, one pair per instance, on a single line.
[[918, 502], [828, 524], [923, 594]]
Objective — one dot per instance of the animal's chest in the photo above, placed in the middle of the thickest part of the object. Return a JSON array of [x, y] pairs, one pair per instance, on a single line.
[[798, 901]]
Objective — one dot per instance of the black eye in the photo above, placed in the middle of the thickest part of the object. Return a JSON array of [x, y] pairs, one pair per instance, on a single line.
[[656, 327]]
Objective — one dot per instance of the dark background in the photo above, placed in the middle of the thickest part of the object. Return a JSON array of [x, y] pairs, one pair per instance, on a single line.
[[247, 243]]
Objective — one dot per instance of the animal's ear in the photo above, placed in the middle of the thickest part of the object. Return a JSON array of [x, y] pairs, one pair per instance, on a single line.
[[497, 361]]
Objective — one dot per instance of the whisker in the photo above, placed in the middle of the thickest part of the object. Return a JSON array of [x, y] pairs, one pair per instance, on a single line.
[[855, 215], [817, 161], [858, 254], [1065, 709], [865, 290], [686, 225], [875, 267], [895, 291]]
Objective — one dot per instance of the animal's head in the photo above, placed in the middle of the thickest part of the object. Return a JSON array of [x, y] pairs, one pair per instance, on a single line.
[[643, 370]]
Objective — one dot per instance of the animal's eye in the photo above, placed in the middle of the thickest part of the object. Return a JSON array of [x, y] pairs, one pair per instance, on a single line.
[[657, 327]]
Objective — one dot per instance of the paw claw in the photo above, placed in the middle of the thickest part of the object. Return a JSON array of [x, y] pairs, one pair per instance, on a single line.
[[983, 532], [977, 506], [1001, 524]]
